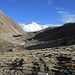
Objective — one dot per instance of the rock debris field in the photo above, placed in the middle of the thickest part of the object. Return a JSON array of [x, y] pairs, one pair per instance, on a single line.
[[49, 61]]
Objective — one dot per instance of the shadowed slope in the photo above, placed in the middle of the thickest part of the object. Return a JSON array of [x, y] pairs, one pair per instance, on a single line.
[[63, 35]]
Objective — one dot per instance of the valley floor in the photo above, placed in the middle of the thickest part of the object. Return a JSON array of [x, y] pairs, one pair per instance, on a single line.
[[38, 62]]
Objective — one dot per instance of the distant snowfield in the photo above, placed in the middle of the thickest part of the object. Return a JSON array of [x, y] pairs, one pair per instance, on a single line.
[[33, 27]]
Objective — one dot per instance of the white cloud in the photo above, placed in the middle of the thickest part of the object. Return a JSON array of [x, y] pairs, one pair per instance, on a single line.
[[59, 8], [68, 18], [63, 12], [50, 2], [66, 15]]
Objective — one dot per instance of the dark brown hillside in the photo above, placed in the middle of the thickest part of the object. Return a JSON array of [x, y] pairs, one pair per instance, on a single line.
[[67, 30], [63, 35]]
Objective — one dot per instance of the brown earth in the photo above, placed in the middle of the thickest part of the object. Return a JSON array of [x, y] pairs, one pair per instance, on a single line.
[[11, 34], [39, 60], [9, 26]]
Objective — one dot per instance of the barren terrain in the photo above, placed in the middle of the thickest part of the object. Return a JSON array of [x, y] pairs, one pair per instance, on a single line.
[[47, 52], [35, 61]]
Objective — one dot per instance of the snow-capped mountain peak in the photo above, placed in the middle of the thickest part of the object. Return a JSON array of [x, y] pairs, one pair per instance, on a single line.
[[33, 23], [33, 27]]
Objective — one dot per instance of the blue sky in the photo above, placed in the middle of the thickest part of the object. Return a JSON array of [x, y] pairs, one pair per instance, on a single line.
[[52, 12]]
